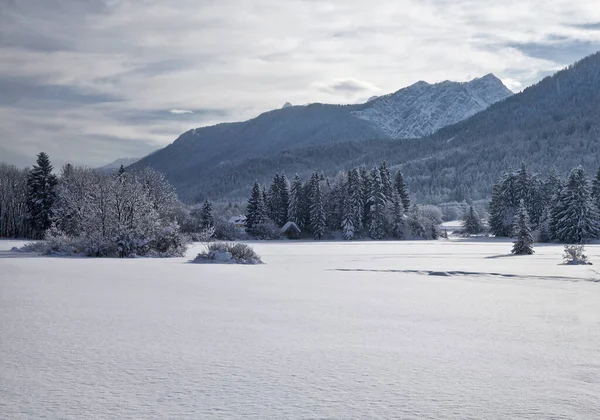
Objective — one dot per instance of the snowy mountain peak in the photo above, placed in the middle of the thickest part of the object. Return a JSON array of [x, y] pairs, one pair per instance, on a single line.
[[422, 108], [287, 105]]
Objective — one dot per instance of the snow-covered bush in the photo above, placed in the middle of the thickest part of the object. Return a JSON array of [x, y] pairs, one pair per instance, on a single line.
[[266, 230], [227, 231], [574, 255], [228, 252], [121, 215]]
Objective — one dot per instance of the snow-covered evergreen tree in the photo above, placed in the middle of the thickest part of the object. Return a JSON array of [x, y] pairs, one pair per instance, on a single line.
[[503, 206], [255, 210], [278, 200], [365, 187], [596, 189], [41, 184], [378, 222], [524, 240], [318, 223], [207, 219], [472, 223], [575, 217], [397, 217], [386, 181], [348, 228], [402, 190], [295, 205], [355, 194]]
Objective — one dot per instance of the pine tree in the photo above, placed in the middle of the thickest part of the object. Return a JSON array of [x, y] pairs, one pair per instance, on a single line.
[[348, 228], [472, 223], [402, 190], [318, 223], [284, 200], [365, 187], [356, 199], [415, 223], [294, 206], [596, 189], [398, 225], [207, 220], [121, 171], [575, 217], [503, 206], [378, 223], [255, 212], [386, 180], [41, 185], [522, 229]]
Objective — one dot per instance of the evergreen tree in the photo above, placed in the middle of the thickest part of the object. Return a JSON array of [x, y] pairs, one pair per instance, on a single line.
[[398, 225], [121, 171], [503, 206], [365, 187], [207, 219], [402, 190], [415, 223], [378, 223], [355, 194], [524, 240], [318, 222], [255, 211], [596, 189], [284, 200], [472, 223], [348, 228], [575, 216], [41, 185], [386, 180], [295, 202]]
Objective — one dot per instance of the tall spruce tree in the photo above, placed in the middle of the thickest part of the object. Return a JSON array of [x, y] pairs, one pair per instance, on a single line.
[[386, 181], [41, 193], [318, 223], [524, 240], [365, 187], [575, 217], [295, 202], [255, 211], [402, 190], [348, 228], [356, 199], [284, 200], [207, 219], [378, 222], [398, 225], [472, 223], [596, 189]]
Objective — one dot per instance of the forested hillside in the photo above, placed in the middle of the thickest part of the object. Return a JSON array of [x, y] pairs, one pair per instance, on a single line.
[[198, 158], [555, 123]]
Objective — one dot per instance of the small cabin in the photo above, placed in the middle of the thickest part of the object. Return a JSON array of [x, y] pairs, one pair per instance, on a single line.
[[238, 221], [291, 230]]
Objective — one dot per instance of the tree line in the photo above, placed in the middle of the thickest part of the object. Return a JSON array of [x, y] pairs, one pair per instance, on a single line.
[[84, 211], [361, 203], [556, 209]]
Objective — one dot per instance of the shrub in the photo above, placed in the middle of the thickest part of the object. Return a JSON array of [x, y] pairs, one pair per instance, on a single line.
[[266, 230], [574, 255], [227, 231], [229, 252]]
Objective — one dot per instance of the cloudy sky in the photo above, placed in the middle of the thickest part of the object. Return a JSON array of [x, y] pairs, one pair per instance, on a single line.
[[89, 81]]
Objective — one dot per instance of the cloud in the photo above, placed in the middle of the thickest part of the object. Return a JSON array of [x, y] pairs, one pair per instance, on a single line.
[[181, 111], [95, 80]]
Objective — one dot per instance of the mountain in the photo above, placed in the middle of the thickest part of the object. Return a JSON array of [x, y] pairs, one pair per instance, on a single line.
[[422, 109], [552, 124], [117, 164], [194, 160]]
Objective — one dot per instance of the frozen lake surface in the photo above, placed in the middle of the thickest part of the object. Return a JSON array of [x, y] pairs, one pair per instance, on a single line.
[[322, 331]]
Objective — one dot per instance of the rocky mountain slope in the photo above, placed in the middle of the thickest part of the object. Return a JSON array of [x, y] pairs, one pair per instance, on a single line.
[[422, 109], [199, 155]]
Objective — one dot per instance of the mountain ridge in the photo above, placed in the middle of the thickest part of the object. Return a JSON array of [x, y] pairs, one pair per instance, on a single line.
[[202, 152]]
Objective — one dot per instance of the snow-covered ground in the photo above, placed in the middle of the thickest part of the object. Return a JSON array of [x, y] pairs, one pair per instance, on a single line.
[[329, 330]]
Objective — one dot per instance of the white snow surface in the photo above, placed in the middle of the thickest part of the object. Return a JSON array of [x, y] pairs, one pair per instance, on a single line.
[[422, 109], [324, 330]]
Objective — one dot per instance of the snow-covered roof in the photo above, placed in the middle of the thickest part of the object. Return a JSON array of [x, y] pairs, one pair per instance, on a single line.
[[290, 226], [237, 219]]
